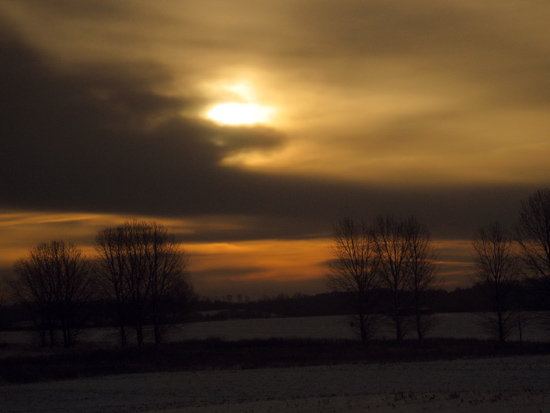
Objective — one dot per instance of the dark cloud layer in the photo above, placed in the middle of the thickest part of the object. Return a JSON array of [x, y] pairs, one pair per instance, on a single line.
[[105, 137]]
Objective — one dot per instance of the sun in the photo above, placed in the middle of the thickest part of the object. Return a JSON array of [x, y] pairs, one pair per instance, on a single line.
[[244, 110], [233, 113]]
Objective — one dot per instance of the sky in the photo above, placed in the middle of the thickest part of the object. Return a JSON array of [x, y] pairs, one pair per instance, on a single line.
[[249, 128]]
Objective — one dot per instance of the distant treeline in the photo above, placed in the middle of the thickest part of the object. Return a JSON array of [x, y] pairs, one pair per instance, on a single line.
[[96, 313], [467, 299], [463, 299]]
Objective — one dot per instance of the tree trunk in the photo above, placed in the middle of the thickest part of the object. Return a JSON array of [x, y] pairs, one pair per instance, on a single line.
[[501, 337], [363, 328], [139, 334], [419, 324], [123, 339]]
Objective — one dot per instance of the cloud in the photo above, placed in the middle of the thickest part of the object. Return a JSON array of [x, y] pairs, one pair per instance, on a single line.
[[103, 137], [96, 132], [227, 273]]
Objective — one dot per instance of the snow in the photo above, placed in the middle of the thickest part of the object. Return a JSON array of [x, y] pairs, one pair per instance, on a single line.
[[516, 384]]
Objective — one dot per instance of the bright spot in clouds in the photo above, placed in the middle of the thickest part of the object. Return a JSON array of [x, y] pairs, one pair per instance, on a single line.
[[245, 110], [233, 113]]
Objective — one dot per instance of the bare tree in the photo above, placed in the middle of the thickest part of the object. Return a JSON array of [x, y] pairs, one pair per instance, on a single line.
[[145, 271], [421, 263], [169, 288], [112, 268], [136, 241], [533, 236], [30, 288], [354, 270], [54, 280], [497, 273], [393, 249]]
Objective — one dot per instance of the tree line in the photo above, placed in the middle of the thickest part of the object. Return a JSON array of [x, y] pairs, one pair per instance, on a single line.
[[398, 255], [466, 299], [385, 269], [139, 272]]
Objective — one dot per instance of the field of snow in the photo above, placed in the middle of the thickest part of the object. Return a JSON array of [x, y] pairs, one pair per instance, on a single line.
[[517, 384]]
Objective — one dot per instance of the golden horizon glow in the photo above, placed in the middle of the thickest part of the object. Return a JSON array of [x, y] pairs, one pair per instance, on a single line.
[[232, 267]]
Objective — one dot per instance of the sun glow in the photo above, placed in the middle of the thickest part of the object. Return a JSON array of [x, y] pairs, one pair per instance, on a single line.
[[233, 113], [240, 107]]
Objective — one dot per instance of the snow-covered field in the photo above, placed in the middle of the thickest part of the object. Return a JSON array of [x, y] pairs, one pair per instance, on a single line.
[[518, 384]]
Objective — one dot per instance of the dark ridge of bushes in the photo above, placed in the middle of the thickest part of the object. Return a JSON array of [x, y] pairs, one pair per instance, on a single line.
[[248, 354]]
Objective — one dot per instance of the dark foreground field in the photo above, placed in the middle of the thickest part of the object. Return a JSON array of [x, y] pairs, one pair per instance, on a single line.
[[30, 366]]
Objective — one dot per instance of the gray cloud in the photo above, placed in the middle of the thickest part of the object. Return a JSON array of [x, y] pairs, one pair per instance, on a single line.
[[106, 137], [103, 138]]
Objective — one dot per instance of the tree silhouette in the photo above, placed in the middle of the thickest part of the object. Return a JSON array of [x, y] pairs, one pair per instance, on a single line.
[[143, 269], [498, 274], [54, 281], [166, 272], [393, 249], [421, 266], [354, 270], [112, 270]]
